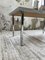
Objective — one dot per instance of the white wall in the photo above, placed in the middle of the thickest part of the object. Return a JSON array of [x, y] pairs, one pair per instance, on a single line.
[[41, 2]]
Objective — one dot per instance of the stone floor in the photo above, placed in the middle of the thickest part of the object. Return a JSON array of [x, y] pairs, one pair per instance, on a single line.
[[33, 49]]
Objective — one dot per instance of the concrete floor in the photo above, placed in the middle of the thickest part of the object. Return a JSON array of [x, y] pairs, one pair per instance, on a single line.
[[33, 49]]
